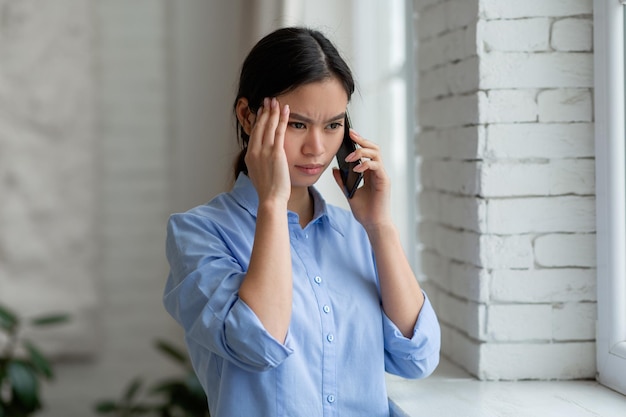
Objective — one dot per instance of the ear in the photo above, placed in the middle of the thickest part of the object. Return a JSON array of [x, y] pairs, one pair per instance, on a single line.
[[245, 116]]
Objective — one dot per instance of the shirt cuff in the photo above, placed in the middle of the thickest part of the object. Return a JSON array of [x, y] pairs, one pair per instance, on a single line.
[[426, 338], [251, 346]]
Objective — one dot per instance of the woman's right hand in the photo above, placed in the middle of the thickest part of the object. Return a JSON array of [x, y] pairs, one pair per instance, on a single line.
[[265, 158]]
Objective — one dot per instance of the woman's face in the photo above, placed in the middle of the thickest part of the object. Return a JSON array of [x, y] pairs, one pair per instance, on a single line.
[[315, 129]]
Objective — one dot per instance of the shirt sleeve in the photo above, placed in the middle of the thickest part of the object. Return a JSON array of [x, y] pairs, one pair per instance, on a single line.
[[202, 294], [418, 356]]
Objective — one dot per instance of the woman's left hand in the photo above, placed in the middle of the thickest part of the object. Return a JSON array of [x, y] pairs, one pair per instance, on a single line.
[[371, 202]]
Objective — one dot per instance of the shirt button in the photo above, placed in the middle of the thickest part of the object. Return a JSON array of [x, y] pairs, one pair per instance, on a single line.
[[326, 309], [318, 279], [331, 398], [330, 337]]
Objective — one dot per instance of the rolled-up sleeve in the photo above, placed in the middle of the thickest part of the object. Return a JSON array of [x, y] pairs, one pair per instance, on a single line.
[[418, 356], [202, 294]]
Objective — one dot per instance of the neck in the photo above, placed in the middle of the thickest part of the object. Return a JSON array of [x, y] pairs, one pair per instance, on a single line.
[[301, 203]]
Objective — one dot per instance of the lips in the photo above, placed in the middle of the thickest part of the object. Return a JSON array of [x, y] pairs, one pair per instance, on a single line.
[[310, 169]]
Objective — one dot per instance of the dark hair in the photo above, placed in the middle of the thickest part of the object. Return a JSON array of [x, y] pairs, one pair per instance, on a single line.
[[282, 61]]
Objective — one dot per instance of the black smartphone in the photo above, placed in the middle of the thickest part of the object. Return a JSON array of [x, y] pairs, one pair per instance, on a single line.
[[351, 179]]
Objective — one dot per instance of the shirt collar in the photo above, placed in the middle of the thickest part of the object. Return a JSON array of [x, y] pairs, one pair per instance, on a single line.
[[245, 194]]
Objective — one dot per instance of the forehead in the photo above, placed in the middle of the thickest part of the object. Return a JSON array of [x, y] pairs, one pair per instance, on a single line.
[[318, 100]]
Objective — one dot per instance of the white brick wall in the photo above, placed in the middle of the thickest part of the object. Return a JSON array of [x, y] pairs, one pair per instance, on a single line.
[[133, 198], [47, 155], [507, 222]]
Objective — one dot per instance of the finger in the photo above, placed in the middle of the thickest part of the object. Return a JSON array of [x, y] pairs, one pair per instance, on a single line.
[[256, 135], [269, 133], [279, 140], [368, 165], [361, 141], [364, 153]]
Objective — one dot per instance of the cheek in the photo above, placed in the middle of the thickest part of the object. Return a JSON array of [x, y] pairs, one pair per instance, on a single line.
[[336, 143], [290, 147]]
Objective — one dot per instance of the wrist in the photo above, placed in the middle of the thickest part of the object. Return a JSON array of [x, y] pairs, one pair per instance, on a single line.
[[381, 230], [272, 207]]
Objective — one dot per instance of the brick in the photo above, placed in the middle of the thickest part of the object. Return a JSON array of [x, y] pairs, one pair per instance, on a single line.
[[458, 245], [572, 34], [435, 268], [506, 9], [462, 350], [543, 285], [450, 111], [446, 48], [422, 4], [459, 78], [461, 13], [463, 77], [476, 319], [524, 35], [541, 215], [452, 176], [552, 178], [428, 235], [486, 251], [469, 282], [566, 250], [505, 361], [431, 54], [460, 143], [433, 84], [574, 321], [453, 311], [506, 106], [565, 105], [499, 70], [519, 323], [428, 203], [462, 212], [431, 21], [505, 252], [534, 140]]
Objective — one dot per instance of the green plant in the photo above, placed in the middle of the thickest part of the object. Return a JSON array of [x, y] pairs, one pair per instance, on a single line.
[[172, 397], [22, 364]]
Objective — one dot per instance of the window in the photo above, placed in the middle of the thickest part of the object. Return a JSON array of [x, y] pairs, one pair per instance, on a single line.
[[609, 20], [372, 35]]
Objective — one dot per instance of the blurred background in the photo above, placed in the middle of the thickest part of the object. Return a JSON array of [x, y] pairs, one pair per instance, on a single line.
[[114, 114]]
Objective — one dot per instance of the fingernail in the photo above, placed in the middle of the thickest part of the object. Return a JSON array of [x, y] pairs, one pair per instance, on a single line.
[[266, 102], [274, 102], [350, 157]]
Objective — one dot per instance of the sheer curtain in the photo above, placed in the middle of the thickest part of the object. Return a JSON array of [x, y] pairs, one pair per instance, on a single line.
[[372, 35]]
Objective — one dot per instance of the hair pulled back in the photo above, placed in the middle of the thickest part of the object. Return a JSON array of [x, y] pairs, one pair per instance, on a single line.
[[283, 61]]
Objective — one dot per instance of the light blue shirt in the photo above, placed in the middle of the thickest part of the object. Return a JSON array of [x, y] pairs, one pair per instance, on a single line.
[[339, 343]]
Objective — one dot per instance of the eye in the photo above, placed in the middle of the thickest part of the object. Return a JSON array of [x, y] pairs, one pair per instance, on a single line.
[[297, 125], [335, 125]]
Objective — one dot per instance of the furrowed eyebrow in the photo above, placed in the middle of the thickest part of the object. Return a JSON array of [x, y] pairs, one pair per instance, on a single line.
[[307, 120]]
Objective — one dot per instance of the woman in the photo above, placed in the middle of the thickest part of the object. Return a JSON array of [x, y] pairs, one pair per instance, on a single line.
[[292, 307]]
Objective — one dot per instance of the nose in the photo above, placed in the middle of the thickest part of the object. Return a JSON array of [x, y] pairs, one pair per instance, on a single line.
[[313, 144]]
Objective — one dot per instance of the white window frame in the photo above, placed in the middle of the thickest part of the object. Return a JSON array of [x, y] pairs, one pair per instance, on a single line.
[[382, 108], [610, 192]]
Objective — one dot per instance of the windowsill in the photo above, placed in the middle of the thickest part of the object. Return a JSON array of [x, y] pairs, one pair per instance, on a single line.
[[451, 392]]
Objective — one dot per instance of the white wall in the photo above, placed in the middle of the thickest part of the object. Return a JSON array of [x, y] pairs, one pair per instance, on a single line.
[[507, 170], [47, 154], [164, 75]]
